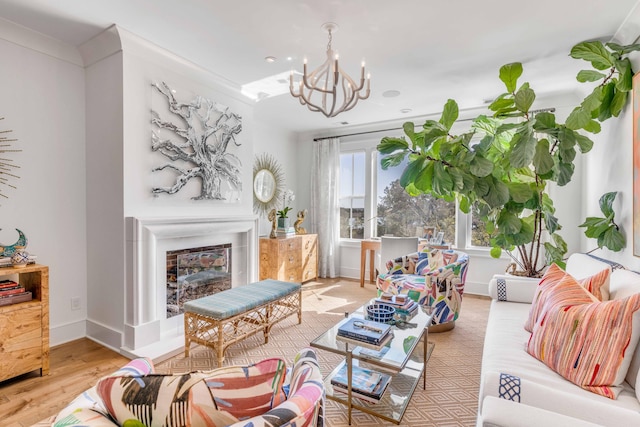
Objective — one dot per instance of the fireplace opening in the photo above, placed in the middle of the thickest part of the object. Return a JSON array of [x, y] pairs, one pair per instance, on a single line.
[[195, 273]]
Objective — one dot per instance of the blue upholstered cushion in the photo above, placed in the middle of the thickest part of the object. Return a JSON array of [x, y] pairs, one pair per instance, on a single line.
[[238, 300]]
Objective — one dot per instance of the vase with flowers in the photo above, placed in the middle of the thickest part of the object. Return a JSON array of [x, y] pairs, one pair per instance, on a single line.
[[283, 219]]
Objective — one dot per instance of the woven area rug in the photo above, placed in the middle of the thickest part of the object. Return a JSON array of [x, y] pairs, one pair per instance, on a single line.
[[453, 372]]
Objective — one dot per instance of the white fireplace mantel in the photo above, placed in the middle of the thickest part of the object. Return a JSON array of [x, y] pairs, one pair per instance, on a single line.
[[147, 331]]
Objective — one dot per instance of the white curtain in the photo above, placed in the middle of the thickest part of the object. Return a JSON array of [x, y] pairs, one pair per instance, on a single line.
[[325, 210]]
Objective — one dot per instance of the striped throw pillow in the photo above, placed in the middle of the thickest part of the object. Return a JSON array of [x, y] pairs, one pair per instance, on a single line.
[[248, 391], [576, 339], [552, 279]]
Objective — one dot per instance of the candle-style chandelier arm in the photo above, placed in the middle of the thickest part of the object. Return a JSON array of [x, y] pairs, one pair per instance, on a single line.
[[329, 80]]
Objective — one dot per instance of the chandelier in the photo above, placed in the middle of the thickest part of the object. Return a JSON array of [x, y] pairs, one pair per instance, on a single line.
[[328, 89]]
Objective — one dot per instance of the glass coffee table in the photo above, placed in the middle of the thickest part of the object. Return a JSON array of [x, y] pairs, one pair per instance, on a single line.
[[398, 360]]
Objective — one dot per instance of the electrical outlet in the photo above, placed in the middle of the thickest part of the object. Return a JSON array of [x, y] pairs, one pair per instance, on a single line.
[[75, 303]]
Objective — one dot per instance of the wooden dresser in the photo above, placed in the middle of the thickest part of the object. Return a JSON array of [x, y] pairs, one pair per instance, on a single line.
[[290, 259], [24, 326]]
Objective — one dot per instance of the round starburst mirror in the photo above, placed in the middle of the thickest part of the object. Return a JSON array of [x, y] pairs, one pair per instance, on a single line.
[[268, 184]]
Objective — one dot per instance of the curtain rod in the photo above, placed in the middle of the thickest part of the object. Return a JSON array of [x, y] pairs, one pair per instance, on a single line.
[[542, 110]]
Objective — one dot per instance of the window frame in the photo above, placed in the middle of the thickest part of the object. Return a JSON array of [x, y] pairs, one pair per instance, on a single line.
[[368, 144]]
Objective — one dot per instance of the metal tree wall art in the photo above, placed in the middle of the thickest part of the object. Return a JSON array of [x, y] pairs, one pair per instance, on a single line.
[[199, 146], [7, 167]]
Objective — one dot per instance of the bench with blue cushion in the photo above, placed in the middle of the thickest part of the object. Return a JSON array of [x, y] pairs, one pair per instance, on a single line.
[[227, 317]]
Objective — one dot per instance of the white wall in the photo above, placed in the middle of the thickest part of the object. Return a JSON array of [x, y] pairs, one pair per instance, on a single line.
[[121, 70], [283, 146], [42, 87]]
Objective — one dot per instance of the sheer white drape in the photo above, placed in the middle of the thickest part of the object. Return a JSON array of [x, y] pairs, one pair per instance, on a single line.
[[325, 208]]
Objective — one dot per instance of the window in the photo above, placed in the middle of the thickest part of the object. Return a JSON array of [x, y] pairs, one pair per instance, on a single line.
[[399, 214], [352, 195], [372, 203]]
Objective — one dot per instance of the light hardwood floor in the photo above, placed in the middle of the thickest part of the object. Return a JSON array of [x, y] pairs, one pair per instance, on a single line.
[[75, 366]]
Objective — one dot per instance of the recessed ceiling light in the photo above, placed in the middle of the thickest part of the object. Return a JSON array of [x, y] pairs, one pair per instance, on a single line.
[[289, 58], [406, 110], [391, 93], [270, 59]]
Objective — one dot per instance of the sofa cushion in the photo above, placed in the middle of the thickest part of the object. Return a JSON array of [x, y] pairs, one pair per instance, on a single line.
[[576, 338], [595, 284], [248, 391]]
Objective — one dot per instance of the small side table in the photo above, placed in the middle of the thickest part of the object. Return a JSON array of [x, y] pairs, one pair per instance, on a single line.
[[370, 246]]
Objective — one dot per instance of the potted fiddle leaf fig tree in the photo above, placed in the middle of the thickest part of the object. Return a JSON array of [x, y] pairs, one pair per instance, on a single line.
[[503, 164]]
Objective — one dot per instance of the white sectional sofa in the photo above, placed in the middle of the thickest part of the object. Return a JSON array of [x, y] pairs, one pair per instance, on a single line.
[[518, 390]]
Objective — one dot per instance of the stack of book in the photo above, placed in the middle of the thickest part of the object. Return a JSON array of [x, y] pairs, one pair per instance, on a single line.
[[11, 292], [285, 232], [361, 331], [366, 384]]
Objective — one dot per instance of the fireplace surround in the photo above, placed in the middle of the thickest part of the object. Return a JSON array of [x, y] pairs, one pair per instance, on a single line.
[[148, 330]]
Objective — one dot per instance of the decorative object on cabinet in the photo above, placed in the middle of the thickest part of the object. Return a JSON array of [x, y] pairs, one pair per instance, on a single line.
[[205, 120], [268, 183], [8, 250], [291, 259], [20, 257], [6, 165], [272, 218], [24, 326], [298, 224]]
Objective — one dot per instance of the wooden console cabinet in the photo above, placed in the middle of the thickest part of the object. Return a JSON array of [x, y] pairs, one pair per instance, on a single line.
[[24, 326], [290, 259]]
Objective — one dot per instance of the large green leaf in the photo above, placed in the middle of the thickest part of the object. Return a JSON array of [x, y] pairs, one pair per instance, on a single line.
[[542, 160], [623, 50], [578, 118], [524, 99], [449, 114], [480, 166], [612, 239], [520, 192], [498, 192], [544, 121], [501, 104], [565, 172], [424, 178], [412, 170], [608, 91], [509, 223], [594, 52], [389, 145], [590, 76], [392, 160], [618, 102], [509, 75], [625, 76], [584, 143], [551, 222], [606, 203], [523, 150], [442, 182]]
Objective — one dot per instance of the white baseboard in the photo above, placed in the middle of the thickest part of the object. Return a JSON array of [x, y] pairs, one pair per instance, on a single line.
[[65, 333]]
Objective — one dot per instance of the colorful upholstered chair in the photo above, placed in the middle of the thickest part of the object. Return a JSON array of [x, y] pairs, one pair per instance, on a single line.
[[432, 277]]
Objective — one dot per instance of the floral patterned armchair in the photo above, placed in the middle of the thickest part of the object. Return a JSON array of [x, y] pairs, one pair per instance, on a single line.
[[431, 277]]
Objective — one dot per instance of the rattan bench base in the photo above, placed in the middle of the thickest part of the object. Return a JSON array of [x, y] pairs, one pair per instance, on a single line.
[[219, 334]]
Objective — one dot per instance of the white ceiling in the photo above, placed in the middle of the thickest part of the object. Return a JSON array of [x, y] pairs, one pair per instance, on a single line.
[[429, 50]]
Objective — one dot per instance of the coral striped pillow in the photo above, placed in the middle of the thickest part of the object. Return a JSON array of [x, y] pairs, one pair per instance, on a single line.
[[248, 391], [576, 339], [551, 280]]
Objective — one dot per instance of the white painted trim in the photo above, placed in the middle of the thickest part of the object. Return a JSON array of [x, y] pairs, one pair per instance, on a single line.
[[38, 42], [67, 332], [629, 30]]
